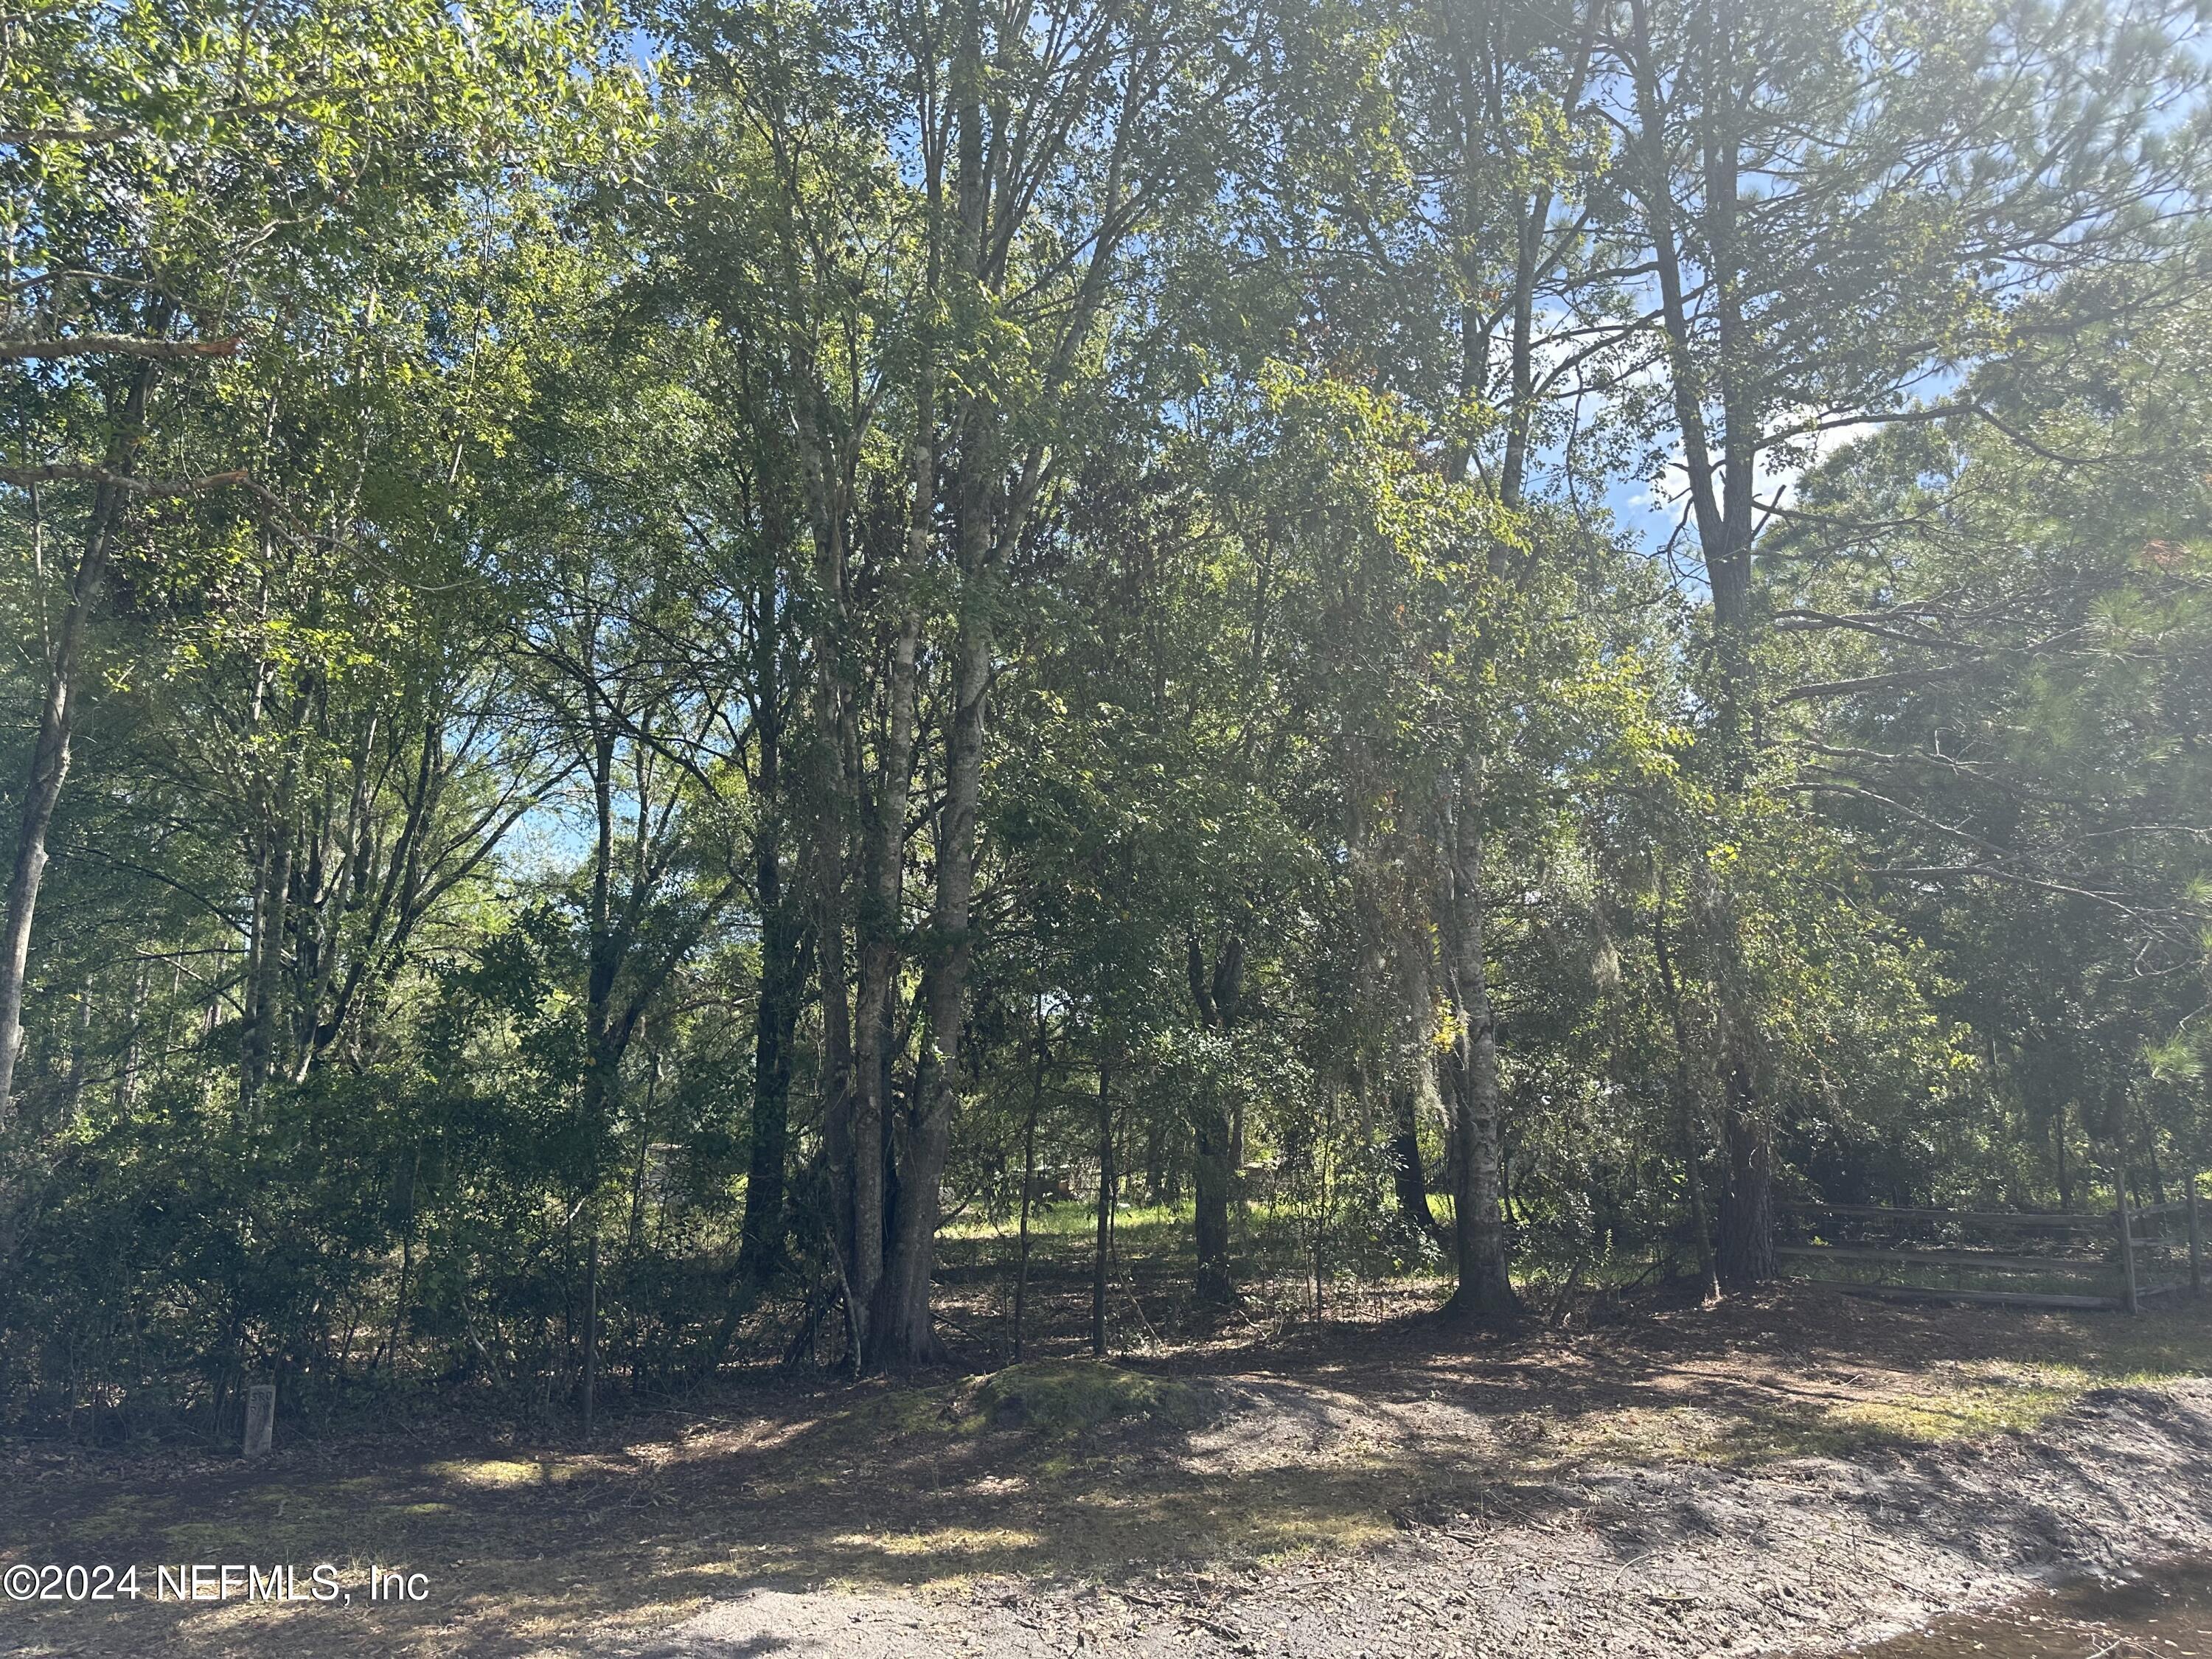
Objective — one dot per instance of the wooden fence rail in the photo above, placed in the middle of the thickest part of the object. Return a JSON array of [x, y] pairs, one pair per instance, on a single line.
[[2067, 1219], [2121, 1227]]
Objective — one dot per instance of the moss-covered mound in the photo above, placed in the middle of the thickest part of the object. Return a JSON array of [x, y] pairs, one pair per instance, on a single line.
[[1064, 1396]]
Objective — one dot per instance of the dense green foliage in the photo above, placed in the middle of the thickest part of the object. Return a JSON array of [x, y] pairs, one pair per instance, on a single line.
[[647, 654]]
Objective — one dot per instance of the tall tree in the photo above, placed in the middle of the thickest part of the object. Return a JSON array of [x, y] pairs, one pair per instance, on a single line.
[[186, 185], [1837, 210]]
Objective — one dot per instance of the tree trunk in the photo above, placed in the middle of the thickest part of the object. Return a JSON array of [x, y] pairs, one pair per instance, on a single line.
[[2058, 1142], [126, 1083], [831, 792], [760, 1247], [50, 751], [590, 1327], [1746, 1250], [265, 951], [1745, 1256], [1210, 1184], [602, 1058], [1216, 992], [79, 1053], [1724, 513], [1685, 1101], [1693, 1186], [877, 932], [2146, 1133], [1029, 1181], [908, 1338], [1155, 1160], [1413, 1074], [903, 1329], [1486, 1287], [759, 1243], [1105, 1208], [1406, 1171], [634, 1231]]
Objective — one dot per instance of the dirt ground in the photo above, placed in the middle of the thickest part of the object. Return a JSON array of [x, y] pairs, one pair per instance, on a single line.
[[1794, 1473]]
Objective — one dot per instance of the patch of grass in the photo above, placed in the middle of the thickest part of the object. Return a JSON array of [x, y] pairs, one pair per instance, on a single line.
[[956, 1543], [1968, 1411], [1964, 1411], [1073, 1219], [1070, 1395], [497, 1474]]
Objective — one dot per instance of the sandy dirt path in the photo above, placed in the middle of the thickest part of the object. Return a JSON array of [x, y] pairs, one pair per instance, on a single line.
[[1809, 1556]]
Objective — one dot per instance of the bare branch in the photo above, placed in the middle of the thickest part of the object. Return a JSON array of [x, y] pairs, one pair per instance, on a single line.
[[1874, 682], [1802, 620], [1857, 793], [1969, 872]]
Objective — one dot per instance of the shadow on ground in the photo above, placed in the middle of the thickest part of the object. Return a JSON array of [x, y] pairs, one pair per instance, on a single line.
[[1328, 1440]]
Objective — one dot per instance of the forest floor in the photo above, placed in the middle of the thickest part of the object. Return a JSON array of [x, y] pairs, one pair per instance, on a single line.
[[1786, 1473]]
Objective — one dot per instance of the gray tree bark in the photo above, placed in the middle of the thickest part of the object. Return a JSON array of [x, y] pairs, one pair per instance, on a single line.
[[1486, 1287]]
